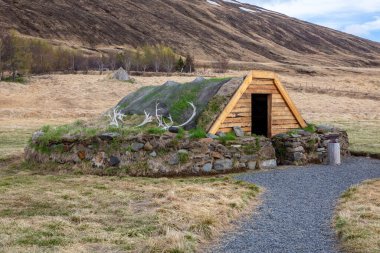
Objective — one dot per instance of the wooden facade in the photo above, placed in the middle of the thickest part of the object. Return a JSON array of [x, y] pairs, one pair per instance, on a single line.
[[263, 89]]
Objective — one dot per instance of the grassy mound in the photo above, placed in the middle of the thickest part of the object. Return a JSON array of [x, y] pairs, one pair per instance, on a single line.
[[173, 99]]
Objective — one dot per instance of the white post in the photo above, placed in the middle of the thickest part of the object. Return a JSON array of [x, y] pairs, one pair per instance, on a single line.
[[334, 154]]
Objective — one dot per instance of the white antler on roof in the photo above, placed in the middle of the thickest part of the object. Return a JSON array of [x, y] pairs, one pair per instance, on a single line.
[[148, 119], [116, 117], [161, 121]]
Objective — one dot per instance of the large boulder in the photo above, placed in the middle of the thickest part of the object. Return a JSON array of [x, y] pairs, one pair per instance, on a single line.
[[121, 75]]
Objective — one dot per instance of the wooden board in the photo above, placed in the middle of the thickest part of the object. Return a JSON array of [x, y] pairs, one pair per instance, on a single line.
[[261, 87], [284, 121], [278, 104], [231, 104], [286, 126], [283, 117], [274, 114], [262, 82], [241, 110], [237, 119], [233, 124]]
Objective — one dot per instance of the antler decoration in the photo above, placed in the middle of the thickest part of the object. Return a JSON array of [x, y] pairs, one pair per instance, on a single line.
[[116, 117], [161, 121], [148, 119]]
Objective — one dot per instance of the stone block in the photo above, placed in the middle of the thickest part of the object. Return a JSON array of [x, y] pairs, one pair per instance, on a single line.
[[223, 164], [207, 167], [238, 131], [136, 146], [252, 165], [268, 164], [296, 149]]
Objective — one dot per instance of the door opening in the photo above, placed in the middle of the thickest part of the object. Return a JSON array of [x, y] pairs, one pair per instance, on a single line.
[[260, 114]]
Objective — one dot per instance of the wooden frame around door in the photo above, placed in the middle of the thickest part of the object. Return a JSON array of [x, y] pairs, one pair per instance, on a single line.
[[269, 101]]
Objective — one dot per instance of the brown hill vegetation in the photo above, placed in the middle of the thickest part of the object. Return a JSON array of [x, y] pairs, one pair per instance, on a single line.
[[207, 30]]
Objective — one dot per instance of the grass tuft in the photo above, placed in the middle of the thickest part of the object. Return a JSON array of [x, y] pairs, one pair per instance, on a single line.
[[226, 138], [357, 219], [198, 133]]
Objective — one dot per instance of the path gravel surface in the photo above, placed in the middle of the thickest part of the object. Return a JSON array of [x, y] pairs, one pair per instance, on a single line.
[[297, 209]]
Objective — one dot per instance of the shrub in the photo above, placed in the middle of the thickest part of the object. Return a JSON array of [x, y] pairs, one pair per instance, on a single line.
[[310, 128], [226, 138], [181, 133], [198, 133], [156, 130], [183, 158]]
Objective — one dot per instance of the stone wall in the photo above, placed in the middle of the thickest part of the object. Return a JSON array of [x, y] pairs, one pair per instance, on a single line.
[[301, 147], [156, 155]]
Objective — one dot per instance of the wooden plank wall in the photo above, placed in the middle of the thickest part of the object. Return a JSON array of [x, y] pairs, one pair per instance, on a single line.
[[283, 119]]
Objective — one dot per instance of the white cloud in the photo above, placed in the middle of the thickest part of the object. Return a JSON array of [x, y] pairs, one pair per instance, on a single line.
[[364, 29], [311, 8], [361, 18]]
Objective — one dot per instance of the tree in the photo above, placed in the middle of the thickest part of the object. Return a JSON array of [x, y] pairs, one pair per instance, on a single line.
[[137, 59], [18, 55], [112, 60], [147, 57], [127, 60], [100, 63], [168, 58], [1, 58], [189, 64], [157, 57], [180, 65], [221, 65]]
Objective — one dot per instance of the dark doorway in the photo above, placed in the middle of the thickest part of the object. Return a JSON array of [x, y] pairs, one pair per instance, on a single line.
[[260, 116]]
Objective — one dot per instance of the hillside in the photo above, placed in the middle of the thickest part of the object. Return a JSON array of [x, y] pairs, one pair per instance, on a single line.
[[205, 28]]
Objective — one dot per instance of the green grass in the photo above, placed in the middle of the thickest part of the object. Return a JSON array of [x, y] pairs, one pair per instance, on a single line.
[[181, 133], [13, 141], [364, 135], [198, 133], [252, 148], [156, 131], [213, 108], [18, 79], [226, 138]]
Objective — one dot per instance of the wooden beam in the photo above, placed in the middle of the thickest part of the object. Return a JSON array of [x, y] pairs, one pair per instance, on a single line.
[[289, 102], [259, 74], [231, 104]]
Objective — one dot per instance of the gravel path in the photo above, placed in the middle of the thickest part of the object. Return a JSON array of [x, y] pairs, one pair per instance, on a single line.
[[297, 208]]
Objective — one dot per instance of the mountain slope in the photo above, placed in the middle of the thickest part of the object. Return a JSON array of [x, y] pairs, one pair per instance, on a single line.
[[205, 28]]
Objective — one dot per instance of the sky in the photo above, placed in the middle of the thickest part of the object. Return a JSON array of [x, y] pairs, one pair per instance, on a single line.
[[358, 17]]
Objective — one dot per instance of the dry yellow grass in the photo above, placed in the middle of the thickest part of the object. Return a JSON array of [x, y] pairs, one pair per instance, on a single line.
[[68, 213], [358, 218], [59, 99]]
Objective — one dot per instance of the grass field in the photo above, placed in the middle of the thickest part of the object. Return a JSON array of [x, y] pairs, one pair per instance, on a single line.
[[41, 211], [45, 212], [13, 141], [364, 135], [358, 218]]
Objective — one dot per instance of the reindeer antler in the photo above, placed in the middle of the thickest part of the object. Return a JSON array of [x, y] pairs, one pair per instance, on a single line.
[[115, 117], [161, 121]]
